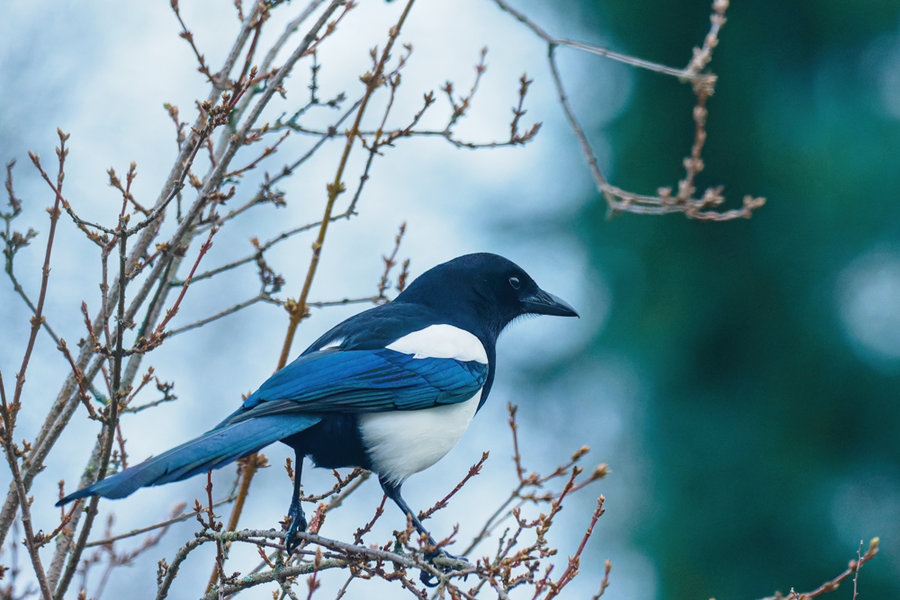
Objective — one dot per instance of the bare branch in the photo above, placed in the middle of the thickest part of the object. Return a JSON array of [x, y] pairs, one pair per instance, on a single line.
[[704, 207], [833, 584]]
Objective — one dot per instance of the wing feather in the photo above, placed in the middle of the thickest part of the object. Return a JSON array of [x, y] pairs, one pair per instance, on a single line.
[[360, 381]]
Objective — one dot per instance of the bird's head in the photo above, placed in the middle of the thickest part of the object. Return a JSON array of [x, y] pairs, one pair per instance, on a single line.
[[483, 291]]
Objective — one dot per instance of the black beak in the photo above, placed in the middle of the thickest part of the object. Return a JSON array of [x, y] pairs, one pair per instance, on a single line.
[[545, 303]]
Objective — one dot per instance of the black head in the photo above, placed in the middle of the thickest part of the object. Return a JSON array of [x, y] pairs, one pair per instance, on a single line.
[[483, 292]]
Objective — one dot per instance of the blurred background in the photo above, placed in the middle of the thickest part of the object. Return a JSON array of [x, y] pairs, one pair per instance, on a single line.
[[741, 379], [768, 351]]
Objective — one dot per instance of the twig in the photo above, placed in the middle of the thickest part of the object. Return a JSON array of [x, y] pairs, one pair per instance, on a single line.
[[224, 313], [260, 249], [604, 583], [10, 410], [12, 459], [686, 73], [442, 503], [269, 150], [358, 535], [390, 261], [111, 417], [575, 560], [833, 584], [162, 524], [156, 337], [704, 207], [189, 37], [79, 377]]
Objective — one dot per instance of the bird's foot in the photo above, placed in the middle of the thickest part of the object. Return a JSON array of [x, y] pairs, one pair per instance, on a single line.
[[432, 580], [298, 525]]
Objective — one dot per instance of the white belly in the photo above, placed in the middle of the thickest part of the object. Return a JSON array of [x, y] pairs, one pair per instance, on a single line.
[[404, 442]]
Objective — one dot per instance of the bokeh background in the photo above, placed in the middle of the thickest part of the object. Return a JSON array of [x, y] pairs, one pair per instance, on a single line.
[[741, 379]]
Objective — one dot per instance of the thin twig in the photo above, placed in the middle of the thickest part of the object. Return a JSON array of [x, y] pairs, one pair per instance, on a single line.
[[833, 584], [10, 410], [704, 207], [12, 459]]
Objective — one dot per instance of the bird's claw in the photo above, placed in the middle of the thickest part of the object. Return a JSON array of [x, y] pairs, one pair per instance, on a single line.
[[298, 525], [430, 579]]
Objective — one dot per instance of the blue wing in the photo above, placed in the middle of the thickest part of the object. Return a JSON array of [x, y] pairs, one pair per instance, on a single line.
[[360, 376], [358, 381]]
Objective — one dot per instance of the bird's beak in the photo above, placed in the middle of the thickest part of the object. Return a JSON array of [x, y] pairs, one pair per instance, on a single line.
[[545, 303]]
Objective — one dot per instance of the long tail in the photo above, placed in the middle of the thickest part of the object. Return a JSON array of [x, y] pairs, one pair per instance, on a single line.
[[215, 448]]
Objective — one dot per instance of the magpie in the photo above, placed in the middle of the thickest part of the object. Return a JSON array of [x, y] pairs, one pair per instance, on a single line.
[[391, 389]]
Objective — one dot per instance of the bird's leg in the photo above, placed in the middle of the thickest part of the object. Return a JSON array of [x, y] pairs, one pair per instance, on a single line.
[[392, 491], [295, 512]]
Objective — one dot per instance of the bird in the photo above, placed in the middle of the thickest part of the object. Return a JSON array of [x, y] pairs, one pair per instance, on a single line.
[[391, 389]]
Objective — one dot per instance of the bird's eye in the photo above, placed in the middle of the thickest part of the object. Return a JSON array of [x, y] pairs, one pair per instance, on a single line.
[[514, 282]]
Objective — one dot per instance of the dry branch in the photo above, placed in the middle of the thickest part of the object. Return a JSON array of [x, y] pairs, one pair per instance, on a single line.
[[707, 205]]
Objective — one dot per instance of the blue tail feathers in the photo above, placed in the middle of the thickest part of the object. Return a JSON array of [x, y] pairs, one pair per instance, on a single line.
[[215, 448]]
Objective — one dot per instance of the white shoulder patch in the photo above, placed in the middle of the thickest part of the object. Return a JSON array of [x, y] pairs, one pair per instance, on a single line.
[[441, 341], [333, 344]]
